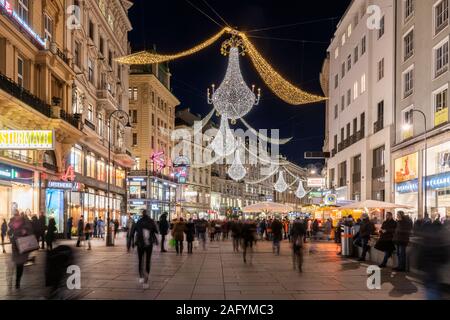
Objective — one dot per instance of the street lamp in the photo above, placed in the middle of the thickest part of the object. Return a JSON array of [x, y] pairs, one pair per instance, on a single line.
[[408, 127], [123, 115]]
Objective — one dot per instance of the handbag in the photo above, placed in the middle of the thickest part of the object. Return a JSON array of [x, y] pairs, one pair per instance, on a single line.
[[27, 244], [172, 243]]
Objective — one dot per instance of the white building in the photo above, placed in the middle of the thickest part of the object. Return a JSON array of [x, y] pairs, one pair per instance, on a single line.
[[360, 107]]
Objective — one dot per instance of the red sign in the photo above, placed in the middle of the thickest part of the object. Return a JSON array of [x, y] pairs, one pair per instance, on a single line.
[[159, 162], [69, 175]]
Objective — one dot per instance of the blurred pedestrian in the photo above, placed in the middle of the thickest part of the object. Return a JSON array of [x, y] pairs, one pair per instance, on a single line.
[[236, 231], [116, 228], [385, 243], [190, 233], [277, 235], [327, 229], [248, 237], [4, 230], [130, 227], [163, 230], [401, 239], [145, 231], [87, 234], [69, 228], [298, 232], [201, 227], [51, 233], [95, 227], [365, 231], [80, 230], [42, 229], [309, 228], [315, 229], [101, 228], [178, 234], [19, 227], [212, 230]]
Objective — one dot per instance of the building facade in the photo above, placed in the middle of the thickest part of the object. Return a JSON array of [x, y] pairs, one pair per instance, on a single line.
[[360, 110], [35, 94], [151, 183], [99, 91], [422, 80]]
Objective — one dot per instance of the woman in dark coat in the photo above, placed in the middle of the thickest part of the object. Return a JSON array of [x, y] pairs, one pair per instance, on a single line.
[[163, 230], [51, 233], [401, 239], [178, 235], [386, 243], [277, 232], [190, 232]]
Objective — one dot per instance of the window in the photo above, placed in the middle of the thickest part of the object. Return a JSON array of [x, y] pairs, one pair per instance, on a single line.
[[380, 110], [100, 124], [90, 71], [91, 30], [363, 83], [77, 54], [153, 143], [90, 166], [343, 39], [134, 116], [135, 139], [90, 115], [349, 97], [355, 125], [409, 9], [381, 30], [23, 10], [378, 157], [381, 69], [342, 134], [348, 131], [342, 103], [355, 91], [101, 173], [153, 97], [102, 46], [349, 62], [356, 20], [336, 53], [363, 123], [153, 119], [110, 58], [407, 121], [441, 59], [48, 28], [76, 159], [441, 16], [363, 45], [336, 111], [441, 106], [356, 54], [20, 72], [408, 83], [133, 93], [343, 71], [408, 42], [336, 81], [349, 30]]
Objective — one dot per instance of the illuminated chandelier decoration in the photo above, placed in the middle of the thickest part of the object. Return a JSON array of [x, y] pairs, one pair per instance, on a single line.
[[233, 99], [281, 185], [224, 142], [237, 171], [300, 193]]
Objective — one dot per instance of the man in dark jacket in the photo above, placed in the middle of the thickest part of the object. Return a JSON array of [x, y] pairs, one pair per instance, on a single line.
[[163, 230], [277, 233], [42, 229], [248, 237], [401, 239], [144, 231], [236, 230], [80, 230], [69, 228], [365, 231], [385, 242]]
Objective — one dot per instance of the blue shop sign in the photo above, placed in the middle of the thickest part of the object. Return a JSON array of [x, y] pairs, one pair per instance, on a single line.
[[407, 186], [439, 181]]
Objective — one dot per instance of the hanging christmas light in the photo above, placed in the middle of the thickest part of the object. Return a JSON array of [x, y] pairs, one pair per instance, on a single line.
[[300, 193], [233, 99], [237, 171], [281, 185], [224, 142]]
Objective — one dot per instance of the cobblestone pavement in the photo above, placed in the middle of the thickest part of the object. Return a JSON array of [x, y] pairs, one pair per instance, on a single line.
[[217, 274]]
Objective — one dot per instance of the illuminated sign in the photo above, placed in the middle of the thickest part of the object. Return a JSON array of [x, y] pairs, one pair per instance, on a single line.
[[159, 162], [316, 182], [438, 181], [330, 200], [155, 207], [65, 185], [69, 175], [406, 168], [10, 12], [13, 173], [27, 139]]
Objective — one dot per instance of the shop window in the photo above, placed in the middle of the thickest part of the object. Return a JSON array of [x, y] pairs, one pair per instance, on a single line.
[[90, 166], [101, 173]]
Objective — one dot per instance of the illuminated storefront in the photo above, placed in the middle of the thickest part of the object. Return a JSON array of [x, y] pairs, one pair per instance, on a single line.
[[407, 181]]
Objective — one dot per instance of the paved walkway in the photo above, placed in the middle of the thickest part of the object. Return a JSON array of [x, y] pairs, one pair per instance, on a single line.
[[218, 274]]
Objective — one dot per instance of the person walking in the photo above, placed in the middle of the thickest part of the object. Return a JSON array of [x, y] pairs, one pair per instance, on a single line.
[[298, 232], [19, 227], [327, 229], [95, 227], [277, 235], [201, 227], [144, 231], [101, 228], [163, 230], [401, 239], [69, 228], [365, 231], [309, 225], [130, 228], [80, 230], [116, 228], [385, 243], [212, 230], [4, 231], [87, 234], [178, 234], [51, 233], [248, 237], [236, 230], [42, 229], [190, 233]]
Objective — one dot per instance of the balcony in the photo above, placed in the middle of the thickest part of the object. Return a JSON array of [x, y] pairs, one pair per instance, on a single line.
[[378, 126], [378, 172], [89, 124], [104, 95], [340, 147], [360, 135], [333, 152], [356, 177], [74, 120]]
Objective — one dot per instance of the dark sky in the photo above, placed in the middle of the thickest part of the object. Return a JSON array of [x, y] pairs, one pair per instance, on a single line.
[[175, 25]]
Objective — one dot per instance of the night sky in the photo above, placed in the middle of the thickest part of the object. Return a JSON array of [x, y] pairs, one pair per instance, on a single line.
[[297, 53]]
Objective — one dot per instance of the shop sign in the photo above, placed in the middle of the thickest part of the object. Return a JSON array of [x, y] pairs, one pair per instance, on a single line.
[[316, 183], [439, 181], [155, 207], [65, 185], [159, 162], [330, 200], [13, 173], [6, 6], [406, 168], [27, 139]]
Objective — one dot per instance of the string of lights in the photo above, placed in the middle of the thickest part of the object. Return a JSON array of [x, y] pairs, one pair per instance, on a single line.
[[263, 137]]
